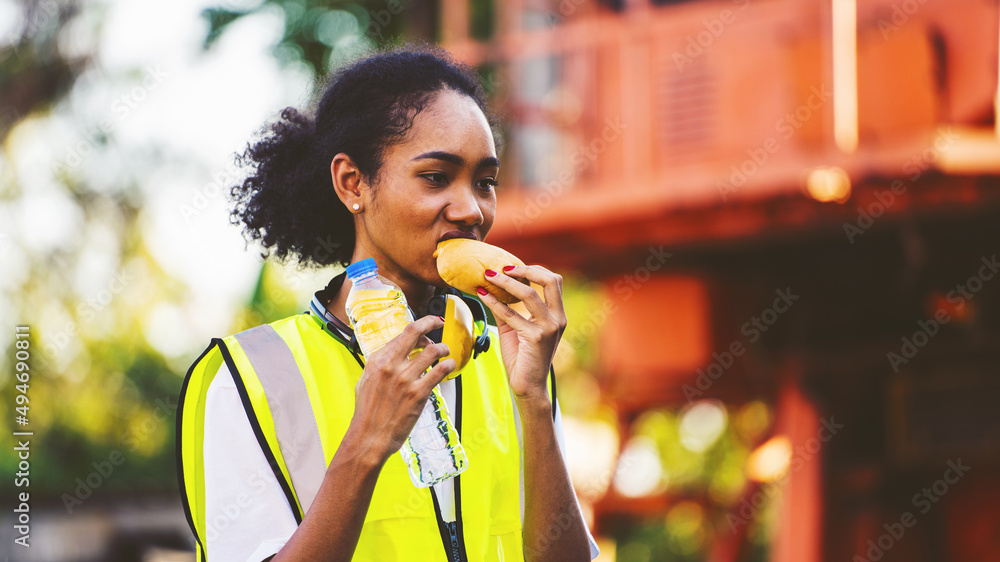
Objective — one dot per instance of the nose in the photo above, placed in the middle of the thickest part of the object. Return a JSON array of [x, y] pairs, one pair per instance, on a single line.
[[463, 208]]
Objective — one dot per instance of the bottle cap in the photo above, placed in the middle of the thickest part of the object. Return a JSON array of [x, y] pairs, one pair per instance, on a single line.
[[361, 268]]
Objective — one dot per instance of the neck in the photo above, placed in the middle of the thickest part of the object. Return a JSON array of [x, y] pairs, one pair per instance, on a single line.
[[418, 294]]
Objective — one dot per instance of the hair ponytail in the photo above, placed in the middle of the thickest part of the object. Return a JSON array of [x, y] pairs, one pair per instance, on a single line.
[[288, 202]]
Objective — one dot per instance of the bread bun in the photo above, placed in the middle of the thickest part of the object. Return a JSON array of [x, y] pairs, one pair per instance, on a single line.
[[461, 262]]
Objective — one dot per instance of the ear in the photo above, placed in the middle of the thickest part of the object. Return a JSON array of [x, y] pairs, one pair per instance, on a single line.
[[346, 179]]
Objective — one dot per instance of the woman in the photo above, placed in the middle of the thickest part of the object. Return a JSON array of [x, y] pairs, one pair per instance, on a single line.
[[288, 439]]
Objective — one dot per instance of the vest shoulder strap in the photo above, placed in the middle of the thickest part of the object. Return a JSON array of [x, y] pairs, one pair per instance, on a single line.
[[288, 401], [281, 417], [190, 439]]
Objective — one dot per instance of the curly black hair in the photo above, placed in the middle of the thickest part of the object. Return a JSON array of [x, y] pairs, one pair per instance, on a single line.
[[287, 201]]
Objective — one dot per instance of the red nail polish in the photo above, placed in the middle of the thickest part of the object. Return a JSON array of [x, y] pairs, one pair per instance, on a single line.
[[482, 291], [508, 268], [490, 273], [442, 318]]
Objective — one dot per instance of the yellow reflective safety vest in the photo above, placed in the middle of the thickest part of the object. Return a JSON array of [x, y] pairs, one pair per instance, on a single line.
[[296, 378]]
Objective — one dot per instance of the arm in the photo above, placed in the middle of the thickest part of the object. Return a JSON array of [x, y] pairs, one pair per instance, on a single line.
[[553, 525], [390, 396], [331, 528]]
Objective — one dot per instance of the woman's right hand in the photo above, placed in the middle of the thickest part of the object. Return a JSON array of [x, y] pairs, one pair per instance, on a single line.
[[393, 389]]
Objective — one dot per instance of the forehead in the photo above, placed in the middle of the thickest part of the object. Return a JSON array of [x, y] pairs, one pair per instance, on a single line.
[[450, 122]]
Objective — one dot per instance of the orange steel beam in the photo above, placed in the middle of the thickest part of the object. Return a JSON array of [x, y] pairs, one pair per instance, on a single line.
[[598, 236]]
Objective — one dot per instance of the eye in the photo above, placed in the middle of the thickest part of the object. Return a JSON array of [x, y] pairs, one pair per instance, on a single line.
[[488, 184], [437, 178]]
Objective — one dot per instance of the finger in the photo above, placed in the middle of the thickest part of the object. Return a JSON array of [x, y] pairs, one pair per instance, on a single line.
[[550, 282], [503, 313], [426, 358], [517, 288], [403, 344], [531, 299], [437, 374]]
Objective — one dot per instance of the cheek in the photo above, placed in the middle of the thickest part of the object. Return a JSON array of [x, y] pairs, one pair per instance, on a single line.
[[406, 218], [489, 211]]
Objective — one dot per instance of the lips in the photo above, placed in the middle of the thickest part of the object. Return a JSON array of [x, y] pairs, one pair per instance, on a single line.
[[457, 234]]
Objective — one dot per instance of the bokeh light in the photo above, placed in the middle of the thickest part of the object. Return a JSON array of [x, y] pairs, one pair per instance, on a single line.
[[639, 472], [770, 461], [702, 424]]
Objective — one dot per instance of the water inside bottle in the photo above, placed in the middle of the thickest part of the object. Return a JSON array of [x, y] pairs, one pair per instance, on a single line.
[[432, 452], [378, 316]]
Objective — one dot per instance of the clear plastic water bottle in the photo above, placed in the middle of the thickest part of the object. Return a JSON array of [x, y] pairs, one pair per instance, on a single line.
[[378, 313]]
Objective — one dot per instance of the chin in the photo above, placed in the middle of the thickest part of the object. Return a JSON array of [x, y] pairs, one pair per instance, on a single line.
[[437, 281], [431, 276]]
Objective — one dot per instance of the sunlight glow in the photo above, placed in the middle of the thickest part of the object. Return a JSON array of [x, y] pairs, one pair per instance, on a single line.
[[845, 74], [770, 461]]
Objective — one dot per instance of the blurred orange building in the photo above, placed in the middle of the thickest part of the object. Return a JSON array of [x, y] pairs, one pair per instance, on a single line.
[[788, 200]]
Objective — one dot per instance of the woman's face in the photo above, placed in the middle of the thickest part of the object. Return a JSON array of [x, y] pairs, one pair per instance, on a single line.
[[440, 179]]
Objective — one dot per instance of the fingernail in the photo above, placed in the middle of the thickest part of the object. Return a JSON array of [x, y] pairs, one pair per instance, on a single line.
[[442, 318], [482, 291], [490, 273], [508, 268]]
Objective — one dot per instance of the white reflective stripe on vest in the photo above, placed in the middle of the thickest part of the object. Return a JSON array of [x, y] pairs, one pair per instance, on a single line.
[[288, 400]]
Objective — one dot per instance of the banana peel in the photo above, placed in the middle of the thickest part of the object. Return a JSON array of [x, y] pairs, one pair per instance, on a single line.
[[458, 332]]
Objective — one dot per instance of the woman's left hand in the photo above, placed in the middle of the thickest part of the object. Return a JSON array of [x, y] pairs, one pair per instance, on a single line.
[[528, 344]]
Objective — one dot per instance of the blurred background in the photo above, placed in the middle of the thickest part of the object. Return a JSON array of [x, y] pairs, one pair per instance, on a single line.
[[777, 219]]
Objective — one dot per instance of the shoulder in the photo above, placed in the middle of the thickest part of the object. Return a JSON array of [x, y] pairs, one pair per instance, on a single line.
[[295, 322], [214, 360], [290, 329]]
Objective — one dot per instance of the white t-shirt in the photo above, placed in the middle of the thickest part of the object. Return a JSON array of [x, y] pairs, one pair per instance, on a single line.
[[246, 512]]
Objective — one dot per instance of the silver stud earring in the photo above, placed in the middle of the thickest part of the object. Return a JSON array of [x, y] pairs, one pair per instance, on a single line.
[[356, 206]]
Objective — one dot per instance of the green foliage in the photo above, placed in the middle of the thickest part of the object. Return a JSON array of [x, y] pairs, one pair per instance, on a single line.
[[482, 23], [33, 72], [320, 34]]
